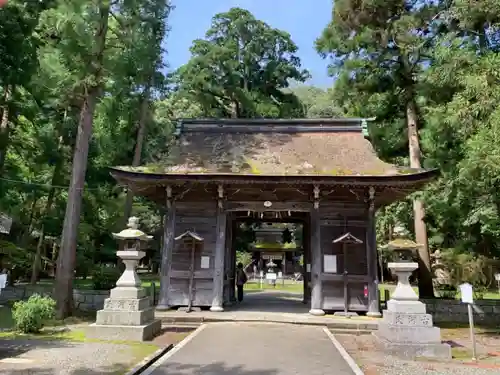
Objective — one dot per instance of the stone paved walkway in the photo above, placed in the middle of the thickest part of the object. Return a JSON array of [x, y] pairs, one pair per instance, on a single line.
[[269, 306], [256, 349]]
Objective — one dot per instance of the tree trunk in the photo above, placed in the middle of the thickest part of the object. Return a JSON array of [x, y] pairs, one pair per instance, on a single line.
[[67, 253], [4, 127], [26, 236], [139, 144], [425, 286], [48, 208]]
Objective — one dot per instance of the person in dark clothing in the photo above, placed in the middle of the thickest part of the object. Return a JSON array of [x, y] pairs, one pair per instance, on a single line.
[[241, 279]]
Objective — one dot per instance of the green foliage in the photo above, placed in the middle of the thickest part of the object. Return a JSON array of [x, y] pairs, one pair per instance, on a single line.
[[241, 68], [466, 267], [30, 316], [316, 102], [447, 291], [244, 237], [243, 257], [287, 236], [443, 56], [104, 278]]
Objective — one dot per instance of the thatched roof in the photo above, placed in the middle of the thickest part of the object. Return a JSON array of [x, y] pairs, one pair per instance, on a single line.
[[328, 147]]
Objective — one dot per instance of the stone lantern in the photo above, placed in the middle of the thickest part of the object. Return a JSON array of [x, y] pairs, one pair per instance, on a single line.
[[127, 313], [403, 267], [132, 240], [406, 329]]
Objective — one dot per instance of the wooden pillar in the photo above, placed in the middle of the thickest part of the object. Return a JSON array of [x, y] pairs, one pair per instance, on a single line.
[[232, 262], [306, 244], [316, 261], [227, 262], [166, 251], [220, 247], [371, 259]]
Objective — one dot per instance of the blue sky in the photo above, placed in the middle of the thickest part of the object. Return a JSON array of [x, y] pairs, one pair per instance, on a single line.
[[191, 19]]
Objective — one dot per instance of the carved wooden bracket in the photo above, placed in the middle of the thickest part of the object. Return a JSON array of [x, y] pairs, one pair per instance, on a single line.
[[220, 192], [168, 190], [316, 192], [371, 199]]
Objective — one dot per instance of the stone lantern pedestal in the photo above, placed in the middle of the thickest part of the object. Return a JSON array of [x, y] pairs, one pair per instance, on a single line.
[[127, 314], [406, 330]]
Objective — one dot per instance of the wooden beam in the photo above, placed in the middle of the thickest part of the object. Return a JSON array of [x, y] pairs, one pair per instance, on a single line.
[[259, 206], [341, 223], [251, 220], [220, 247], [166, 253], [371, 258]]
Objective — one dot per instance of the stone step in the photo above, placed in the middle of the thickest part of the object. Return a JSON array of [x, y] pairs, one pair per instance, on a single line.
[[344, 325], [185, 327]]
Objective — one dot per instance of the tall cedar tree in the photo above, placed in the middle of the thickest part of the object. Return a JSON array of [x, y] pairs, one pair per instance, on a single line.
[[90, 90], [378, 48], [241, 67]]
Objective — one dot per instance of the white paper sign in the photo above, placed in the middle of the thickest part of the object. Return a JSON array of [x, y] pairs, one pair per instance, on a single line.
[[466, 293], [330, 263], [3, 280], [270, 276], [261, 274], [280, 274], [308, 267], [497, 276], [205, 262]]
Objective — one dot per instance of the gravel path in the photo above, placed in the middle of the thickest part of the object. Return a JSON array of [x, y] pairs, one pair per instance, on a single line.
[[256, 349], [374, 362], [54, 357]]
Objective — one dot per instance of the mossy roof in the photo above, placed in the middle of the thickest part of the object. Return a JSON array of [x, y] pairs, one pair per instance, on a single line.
[[333, 147], [401, 244]]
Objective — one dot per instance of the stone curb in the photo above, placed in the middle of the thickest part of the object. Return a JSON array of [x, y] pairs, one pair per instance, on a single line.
[[347, 358], [146, 362]]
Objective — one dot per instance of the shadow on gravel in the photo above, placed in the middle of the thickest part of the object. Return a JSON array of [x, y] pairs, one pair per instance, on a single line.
[[217, 368], [111, 370], [173, 368], [10, 348]]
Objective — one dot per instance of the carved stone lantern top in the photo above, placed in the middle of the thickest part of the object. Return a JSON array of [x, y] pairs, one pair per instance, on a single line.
[[132, 232], [271, 264], [403, 247]]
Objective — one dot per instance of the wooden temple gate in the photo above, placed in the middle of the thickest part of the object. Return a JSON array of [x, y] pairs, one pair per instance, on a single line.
[[323, 173]]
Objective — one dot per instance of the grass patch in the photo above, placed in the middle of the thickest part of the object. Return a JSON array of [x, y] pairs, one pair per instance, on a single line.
[[142, 350], [6, 321], [46, 334], [461, 354], [255, 286]]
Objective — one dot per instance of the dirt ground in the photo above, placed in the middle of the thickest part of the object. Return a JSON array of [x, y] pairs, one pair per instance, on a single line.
[[374, 361]]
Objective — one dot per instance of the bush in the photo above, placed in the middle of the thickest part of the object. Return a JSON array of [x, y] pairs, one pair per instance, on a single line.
[[29, 316], [104, 278], [446, 291]]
